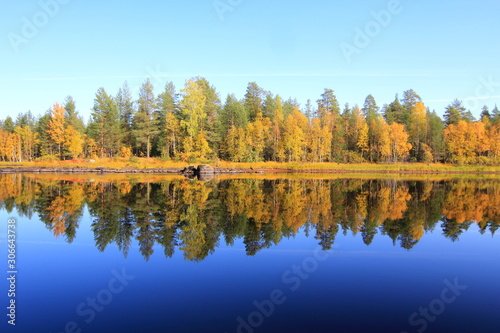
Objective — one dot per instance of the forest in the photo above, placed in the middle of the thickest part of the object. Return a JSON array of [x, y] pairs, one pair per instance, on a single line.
[[193, 124], [194, 217]]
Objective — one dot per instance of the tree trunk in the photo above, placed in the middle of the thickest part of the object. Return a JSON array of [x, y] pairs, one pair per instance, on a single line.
[[147, 149]]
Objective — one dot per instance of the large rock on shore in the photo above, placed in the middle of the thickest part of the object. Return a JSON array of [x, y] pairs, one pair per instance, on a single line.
[[189, 170], [204, 169]]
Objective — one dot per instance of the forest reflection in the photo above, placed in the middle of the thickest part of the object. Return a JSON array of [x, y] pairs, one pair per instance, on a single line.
[[194, 216]]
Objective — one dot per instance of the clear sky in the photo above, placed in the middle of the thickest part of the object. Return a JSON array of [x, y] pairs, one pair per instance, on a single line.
[[441, 49]]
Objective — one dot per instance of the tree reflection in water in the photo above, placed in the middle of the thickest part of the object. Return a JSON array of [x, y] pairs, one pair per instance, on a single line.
[[194, 216]]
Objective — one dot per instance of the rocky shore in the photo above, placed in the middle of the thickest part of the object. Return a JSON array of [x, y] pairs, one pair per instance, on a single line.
[[191, 170], [207, 171]]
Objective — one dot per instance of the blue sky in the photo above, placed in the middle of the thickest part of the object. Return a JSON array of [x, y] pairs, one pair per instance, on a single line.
[[441, 49]]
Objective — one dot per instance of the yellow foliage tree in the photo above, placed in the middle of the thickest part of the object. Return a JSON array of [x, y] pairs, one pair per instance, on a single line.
[[363, 138], [494, 135], [256, 133], [276, 131], [319, 140], [125, 152], [400, 147], [236, 144], [172, 134], [418, 127], [56, 126], [201, 146], [294, 136], [465, 141], [73, 142], [29, 140]]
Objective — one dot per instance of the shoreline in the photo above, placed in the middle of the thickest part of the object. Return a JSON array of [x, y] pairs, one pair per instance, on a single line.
[[239, 170]]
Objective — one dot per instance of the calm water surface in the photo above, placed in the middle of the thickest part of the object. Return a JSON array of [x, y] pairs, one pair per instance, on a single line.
[[124, 253]]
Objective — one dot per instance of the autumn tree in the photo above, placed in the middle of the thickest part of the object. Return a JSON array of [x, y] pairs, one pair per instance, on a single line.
[[73, 142], [10, 146], [356, 120], [169, 120], [398, 138], [466, 142], [211, 109], [277, 122], [318, 141], [494, 135], [363, 138], [193, 116], [56, 126], [378, 139], [418, 129], [29, 140], [256, 134], [235, 143], [294, 136]]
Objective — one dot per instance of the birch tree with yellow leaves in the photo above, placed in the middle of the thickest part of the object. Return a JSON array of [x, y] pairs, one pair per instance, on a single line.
[[56, 126]]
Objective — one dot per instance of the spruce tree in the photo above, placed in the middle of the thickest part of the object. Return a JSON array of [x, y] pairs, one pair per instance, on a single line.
[[146, 123], [72, 117], [454, 113], [125, 106], [105, 124]]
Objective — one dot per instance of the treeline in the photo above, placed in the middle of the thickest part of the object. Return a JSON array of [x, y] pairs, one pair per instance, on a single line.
[[194, 124], [194, 217]]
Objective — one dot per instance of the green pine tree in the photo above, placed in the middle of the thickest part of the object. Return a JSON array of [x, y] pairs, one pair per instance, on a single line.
[[146, 123]]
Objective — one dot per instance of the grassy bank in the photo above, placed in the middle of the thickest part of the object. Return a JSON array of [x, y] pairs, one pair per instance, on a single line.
[[109, 163], [144, 163], [362, 167]]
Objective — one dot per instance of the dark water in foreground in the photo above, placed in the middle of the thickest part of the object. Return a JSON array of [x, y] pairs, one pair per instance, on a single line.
[[165, 254]]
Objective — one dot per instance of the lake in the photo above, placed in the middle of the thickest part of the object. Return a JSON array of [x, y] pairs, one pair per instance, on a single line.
[[261, 253]]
